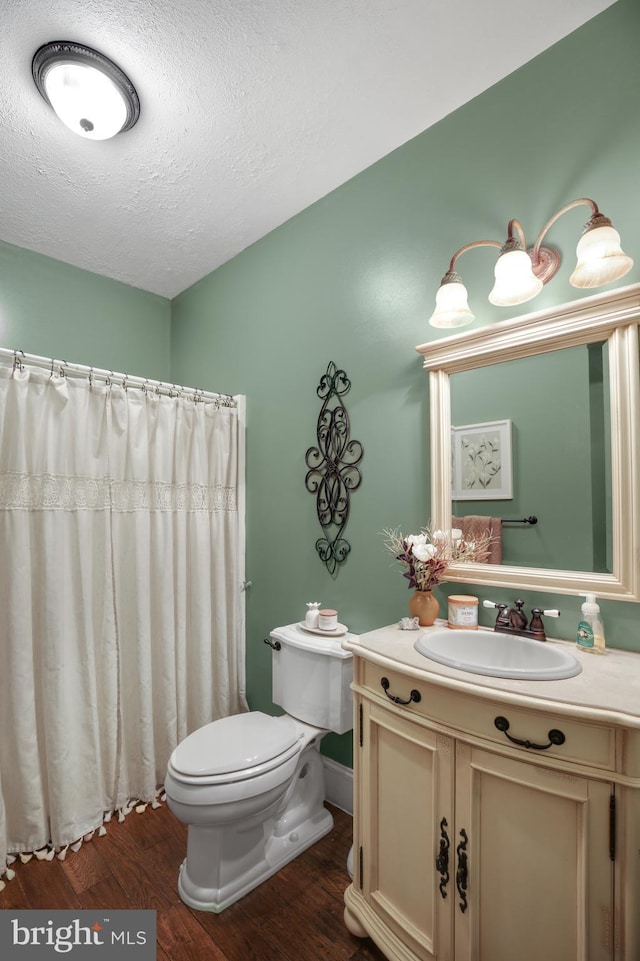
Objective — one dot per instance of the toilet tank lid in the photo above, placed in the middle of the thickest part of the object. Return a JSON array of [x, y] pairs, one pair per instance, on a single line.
[[295, 636], [234, 744]]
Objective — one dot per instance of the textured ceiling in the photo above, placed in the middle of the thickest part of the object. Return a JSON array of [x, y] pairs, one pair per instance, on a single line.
[[250, 111]]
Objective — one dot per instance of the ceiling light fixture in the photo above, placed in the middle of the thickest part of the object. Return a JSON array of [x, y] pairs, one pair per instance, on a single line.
[[89, 92], [521, 273]]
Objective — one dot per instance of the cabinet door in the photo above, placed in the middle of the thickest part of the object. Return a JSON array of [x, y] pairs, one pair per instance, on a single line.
[[539, 873], [406, 808]]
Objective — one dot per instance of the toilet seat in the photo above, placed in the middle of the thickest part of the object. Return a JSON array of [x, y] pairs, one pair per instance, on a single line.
[[235, 748]]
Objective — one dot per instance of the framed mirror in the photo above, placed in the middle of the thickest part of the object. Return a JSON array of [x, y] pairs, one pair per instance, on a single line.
[[537, 418]]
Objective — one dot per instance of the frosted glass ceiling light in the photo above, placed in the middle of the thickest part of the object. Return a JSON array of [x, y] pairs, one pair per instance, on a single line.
[[521, 273], [452, 309], [516, 282], [89, 93], [601, 259]]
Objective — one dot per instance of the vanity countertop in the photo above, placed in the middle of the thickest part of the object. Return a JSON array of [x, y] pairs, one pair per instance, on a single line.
[[608, 687]]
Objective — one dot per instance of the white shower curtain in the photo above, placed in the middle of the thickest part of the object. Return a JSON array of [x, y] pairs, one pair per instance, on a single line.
[[121, 613]]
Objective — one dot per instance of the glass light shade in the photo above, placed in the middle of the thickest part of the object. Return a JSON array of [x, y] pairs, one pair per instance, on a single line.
[[515, 280], [601, 259], [86, 100], [452, 308]]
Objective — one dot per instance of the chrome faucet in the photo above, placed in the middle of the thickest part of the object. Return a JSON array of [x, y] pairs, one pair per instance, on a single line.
[[513, 620]]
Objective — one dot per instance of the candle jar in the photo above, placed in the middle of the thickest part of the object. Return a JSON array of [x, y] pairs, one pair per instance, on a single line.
[[463, 612], [328, 620]]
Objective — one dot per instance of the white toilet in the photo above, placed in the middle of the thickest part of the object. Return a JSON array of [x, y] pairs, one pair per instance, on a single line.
[[251, 786]]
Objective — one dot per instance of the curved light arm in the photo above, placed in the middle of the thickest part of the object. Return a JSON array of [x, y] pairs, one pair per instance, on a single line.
[[462, 250], [514, 225], [517, 226], [595, 213]]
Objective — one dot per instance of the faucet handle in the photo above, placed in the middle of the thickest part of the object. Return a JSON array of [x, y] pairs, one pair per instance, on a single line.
[[536, 626], [502, 618]]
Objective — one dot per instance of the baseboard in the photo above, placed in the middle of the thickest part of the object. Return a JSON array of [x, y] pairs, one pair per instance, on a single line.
[[338, 782]]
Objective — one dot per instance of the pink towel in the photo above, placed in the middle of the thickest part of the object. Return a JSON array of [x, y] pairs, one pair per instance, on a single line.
[[474, 526]]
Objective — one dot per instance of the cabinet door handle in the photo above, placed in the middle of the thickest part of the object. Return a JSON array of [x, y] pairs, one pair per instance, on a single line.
[[555, 736], [462, 872], [413, 696], [442, 860]]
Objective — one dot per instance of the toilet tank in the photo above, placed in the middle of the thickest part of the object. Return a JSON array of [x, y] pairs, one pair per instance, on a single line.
[[312, 678]]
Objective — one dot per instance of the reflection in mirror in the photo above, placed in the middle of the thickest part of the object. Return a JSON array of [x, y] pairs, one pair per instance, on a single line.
[[556, 393], [557, 406]]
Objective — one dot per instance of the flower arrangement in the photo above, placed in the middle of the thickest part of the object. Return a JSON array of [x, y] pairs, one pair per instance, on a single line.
[[427, 555]]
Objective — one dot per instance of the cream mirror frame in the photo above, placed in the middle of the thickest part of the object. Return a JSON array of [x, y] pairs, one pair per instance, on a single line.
[[613, 317]]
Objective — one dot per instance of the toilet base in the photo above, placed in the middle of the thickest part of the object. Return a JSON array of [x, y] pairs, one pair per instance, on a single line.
[[227, 860], [278, 852]]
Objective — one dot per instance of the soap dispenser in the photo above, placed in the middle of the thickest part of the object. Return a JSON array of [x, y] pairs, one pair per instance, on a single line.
[[590, 635]]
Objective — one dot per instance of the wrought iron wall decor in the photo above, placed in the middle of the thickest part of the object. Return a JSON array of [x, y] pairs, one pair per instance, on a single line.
[[333, 473]]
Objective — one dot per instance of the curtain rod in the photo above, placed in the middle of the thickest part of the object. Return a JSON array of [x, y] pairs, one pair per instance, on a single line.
[[61, 368]]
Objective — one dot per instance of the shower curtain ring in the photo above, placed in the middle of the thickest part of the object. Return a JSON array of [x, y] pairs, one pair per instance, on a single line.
[[17, 363], [90, 378]]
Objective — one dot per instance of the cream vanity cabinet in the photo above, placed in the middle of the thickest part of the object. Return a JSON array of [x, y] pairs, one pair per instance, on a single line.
[[468, 847]]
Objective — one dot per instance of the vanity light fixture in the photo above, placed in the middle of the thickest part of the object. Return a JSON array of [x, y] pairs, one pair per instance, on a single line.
[[521, 273], [89, 93]]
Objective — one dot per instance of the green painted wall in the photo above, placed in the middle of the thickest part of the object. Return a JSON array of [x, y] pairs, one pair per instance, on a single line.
[[352, 280], [55, 310]]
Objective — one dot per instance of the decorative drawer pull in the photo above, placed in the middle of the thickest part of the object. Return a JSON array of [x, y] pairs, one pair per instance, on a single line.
[[276, 645], [413, 696], [555, 736], [463, 871], [442, 860]]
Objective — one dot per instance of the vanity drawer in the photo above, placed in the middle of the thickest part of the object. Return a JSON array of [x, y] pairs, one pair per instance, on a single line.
[[547, 734], [582, 742]]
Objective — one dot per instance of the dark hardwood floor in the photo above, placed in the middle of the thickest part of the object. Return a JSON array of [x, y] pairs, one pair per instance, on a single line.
[[294, 916]]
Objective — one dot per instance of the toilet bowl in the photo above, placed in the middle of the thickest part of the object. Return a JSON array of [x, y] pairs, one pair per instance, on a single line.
[[251, 787]]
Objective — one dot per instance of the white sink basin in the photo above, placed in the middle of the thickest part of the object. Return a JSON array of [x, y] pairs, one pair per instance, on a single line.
[[498, 655]]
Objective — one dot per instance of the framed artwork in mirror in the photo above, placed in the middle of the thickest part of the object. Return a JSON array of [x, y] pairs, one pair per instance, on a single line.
[[481, 465]]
